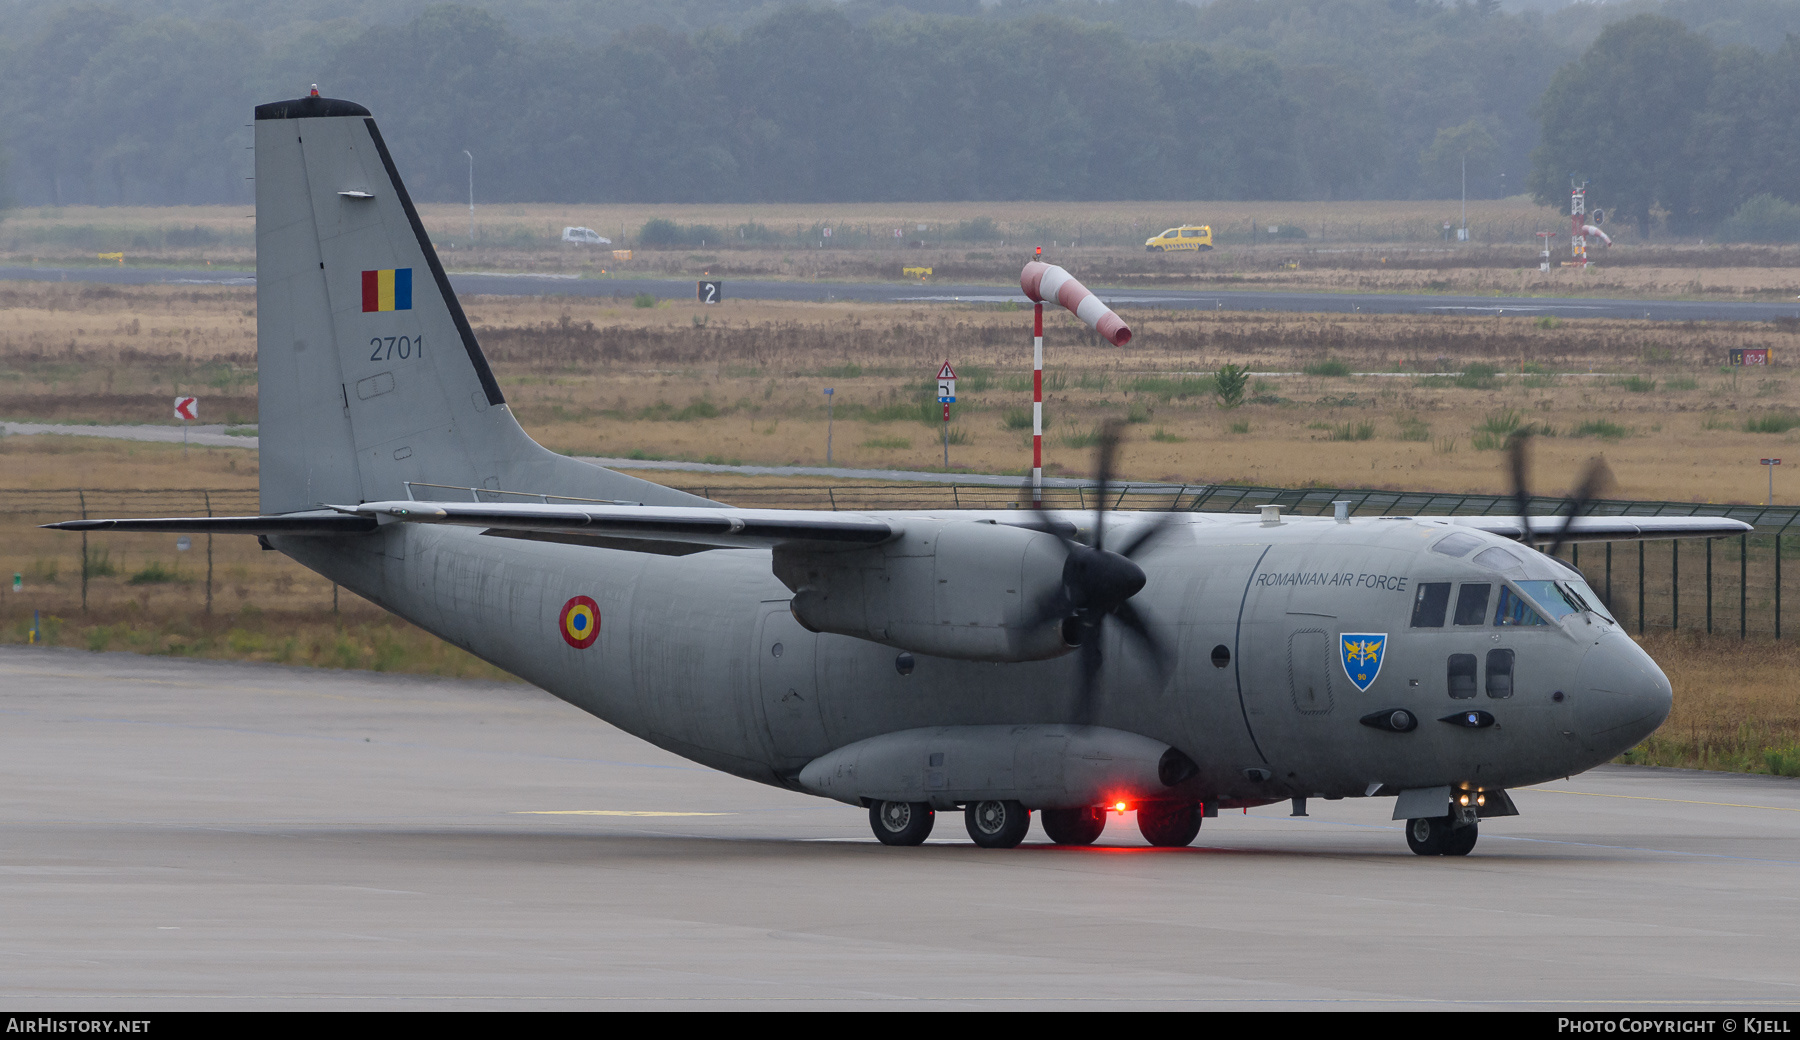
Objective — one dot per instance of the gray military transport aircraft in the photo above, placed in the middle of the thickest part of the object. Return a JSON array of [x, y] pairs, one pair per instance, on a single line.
[[915, 661]]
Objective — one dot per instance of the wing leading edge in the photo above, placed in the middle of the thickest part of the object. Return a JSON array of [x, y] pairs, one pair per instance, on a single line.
[[1605, 528], [716, 528]]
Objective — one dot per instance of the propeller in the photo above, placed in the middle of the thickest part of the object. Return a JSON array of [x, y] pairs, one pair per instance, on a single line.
[[1098, 583], [1595, 479]]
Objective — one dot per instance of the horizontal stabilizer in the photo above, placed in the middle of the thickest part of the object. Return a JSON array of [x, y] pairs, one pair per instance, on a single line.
[[291, 523]]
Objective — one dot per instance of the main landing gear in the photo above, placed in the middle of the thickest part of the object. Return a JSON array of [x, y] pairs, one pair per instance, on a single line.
[[1169, 825], [901, 823], [1004, 824], [1441, 836], [997, 825]]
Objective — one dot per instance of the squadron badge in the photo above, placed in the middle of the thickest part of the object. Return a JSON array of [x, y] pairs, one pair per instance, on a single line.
[[1362, 656], [580, 622]]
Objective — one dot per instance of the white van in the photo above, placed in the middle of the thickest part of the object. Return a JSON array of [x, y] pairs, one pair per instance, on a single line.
[[585, 237]]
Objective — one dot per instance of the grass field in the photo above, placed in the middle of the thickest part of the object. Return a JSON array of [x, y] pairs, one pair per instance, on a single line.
[[1368, 400], [743, 382]]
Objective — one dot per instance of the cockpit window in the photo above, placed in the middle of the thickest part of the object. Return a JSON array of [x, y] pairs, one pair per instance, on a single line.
[[1457, 544], [1498, 559], [1471, 604], [1430, 604], [1550, 597], [1589, 599], [1514, 610]]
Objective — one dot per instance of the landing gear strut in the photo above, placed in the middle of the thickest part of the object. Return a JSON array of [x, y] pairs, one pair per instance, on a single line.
[[901, 823], [1169, 824], [1073, 826], [997, 825], [1440, 836]]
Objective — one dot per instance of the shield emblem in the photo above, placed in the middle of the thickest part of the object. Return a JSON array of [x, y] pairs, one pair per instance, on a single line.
[[1361, 653]]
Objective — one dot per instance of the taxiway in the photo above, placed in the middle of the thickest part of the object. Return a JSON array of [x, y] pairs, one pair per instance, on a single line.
[[186, 834]]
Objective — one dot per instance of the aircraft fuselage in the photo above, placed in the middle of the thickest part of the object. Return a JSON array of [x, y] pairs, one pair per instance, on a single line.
[[700, 654]]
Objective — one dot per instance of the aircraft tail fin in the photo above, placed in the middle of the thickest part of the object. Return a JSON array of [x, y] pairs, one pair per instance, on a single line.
[[370, 377]]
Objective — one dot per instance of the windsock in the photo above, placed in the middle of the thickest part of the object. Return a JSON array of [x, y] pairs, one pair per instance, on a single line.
[[1589, 229], [1046, 282]]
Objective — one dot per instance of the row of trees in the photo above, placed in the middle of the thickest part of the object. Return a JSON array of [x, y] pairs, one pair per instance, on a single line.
[[746, 100], [1665, 123]]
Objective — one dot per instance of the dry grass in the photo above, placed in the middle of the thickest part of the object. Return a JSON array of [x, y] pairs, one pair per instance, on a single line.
[[743, 381], [1736, 707]]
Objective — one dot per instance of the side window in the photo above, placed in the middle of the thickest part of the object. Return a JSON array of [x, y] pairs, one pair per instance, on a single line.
[[1471, 604], [1499, 675], [1513, 610], [1462, 676], [1430, 605]]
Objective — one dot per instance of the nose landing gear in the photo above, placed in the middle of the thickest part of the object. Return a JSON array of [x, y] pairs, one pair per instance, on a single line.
[[1442, 836]]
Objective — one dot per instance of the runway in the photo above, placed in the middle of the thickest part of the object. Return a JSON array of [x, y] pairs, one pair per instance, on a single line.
[[205, 835], [495, 284]]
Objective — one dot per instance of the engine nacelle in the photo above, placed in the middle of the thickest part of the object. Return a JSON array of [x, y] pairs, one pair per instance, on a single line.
[[949, 588]]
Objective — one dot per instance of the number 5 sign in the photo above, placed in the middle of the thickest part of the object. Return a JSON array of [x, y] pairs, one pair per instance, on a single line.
[[187, 408]]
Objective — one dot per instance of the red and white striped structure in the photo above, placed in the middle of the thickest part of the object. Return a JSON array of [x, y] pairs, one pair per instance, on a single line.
[[1042, 282]]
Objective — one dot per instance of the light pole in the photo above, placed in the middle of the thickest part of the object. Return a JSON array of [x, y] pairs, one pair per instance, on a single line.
[[1465, 197], [828, 397], [471, 156]]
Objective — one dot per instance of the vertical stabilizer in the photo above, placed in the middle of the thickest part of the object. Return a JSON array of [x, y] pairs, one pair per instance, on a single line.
[[369, 375]]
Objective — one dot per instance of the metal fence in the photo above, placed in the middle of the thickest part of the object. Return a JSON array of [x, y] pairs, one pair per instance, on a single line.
[[1732, 586]]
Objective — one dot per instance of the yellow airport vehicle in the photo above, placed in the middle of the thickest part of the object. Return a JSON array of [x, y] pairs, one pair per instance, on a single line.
[[1197, 237]]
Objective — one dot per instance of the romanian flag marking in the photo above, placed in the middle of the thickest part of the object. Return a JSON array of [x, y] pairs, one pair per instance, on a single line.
[[389, 290], [580, 622]]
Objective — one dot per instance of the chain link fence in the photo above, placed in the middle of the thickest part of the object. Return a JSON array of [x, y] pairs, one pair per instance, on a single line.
[[1729, 586]]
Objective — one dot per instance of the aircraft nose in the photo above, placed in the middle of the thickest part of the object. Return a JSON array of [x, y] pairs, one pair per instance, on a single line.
[[1622, 696]]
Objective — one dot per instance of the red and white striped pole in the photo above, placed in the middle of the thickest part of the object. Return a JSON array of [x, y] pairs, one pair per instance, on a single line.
[[1037, 404]]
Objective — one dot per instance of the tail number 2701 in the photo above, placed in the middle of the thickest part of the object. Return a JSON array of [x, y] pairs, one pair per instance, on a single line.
[[387, 347]]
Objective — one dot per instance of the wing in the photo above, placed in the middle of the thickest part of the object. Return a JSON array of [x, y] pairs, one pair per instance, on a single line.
[[1607, 528], [676, 525], [317, 522]]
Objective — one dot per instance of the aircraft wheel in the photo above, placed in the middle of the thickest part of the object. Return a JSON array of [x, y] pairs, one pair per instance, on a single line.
[[997, 825], [901, 823], [1462, 840], [1169, 825], [1073, 826], [1430, 837]]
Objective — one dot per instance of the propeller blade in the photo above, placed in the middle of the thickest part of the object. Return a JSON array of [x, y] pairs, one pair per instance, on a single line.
[[1109, 449], [1594, 482], [1092, 657], [1148, 536], [1133, 621], [1519, 452]]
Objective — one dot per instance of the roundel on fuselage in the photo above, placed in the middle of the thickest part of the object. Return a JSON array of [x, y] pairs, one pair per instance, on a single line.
[[580, 622]]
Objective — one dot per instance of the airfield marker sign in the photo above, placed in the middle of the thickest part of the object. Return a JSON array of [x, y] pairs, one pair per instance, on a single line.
[[946, 380], [187, 409], [1771, 464]]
